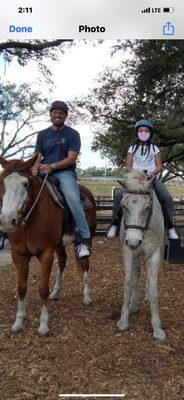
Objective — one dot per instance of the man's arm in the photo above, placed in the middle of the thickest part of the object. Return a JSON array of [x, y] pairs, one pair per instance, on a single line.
[[66, 162]]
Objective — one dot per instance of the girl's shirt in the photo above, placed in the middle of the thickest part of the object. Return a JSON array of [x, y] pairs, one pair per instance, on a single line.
[[145, 161]]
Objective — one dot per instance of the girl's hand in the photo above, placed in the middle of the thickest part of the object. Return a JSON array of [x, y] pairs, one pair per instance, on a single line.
[[150, 175]]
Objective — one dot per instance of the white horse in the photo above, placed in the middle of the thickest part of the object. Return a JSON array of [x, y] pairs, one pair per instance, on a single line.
[[142, 232]]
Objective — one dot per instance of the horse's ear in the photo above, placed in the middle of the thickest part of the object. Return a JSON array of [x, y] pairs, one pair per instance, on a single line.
[[3, 162], [29, 163], [122, 182]]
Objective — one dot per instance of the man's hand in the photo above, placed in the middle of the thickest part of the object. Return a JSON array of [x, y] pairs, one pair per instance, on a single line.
[[46, 168]]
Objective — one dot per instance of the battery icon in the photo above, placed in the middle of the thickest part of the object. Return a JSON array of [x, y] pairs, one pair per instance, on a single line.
[[168, 9]]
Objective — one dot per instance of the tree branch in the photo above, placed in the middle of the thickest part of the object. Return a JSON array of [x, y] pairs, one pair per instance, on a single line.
[[32, 46]]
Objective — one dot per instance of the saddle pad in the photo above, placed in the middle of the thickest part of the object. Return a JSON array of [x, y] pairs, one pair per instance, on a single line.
[[60, 200], [56, 194]]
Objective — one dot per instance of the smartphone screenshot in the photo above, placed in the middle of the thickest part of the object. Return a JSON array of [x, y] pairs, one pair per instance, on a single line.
[[91, 199]]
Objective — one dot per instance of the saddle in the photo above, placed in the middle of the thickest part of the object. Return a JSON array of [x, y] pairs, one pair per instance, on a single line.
[[52, 184], [53, 187]]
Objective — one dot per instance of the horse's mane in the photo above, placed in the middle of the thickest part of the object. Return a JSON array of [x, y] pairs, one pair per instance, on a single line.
[[137, 180]]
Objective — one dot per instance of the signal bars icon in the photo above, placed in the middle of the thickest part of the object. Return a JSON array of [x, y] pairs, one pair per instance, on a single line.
[[147, 10]]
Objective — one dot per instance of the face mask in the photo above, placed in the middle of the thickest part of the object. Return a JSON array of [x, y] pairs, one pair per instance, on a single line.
[[143, 136]]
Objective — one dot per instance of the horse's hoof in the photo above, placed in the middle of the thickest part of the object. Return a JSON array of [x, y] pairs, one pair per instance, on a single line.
[[87, 302], [16, 330], [159, 334], [121, 326], [43, 333], [53, 296]]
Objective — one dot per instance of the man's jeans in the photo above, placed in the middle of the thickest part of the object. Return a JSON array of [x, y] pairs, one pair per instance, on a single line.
[[69, 187]]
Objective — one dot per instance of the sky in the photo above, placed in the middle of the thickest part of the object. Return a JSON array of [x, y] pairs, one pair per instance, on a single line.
[[74, 74]]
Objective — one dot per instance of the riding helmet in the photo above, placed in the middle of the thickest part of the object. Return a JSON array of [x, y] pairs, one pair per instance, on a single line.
[[144, 122]]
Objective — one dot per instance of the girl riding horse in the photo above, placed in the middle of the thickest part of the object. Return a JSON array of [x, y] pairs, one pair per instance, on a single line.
[[144, 156]]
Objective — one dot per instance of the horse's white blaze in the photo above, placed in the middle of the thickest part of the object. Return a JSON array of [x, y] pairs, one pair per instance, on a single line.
[[14, 197], [44, 319], [86, 298], [57, 287], [17, 326]]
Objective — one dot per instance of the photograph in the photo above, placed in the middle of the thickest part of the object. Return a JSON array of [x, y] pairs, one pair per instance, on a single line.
[[92, 218]]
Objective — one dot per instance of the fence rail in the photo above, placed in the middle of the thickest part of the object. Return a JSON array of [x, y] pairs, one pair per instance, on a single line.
[[104, 206]]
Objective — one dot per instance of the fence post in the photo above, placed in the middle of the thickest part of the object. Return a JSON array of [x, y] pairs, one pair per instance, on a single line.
[[113, 192]]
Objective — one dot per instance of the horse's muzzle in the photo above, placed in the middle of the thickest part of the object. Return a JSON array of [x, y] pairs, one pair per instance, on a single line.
[[133, 244], [8, 224]]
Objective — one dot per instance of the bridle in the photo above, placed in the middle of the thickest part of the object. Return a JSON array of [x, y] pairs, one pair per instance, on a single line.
[[150, 209], [23, 219]]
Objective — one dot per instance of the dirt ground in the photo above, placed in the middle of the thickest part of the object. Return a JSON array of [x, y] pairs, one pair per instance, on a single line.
[[84, 353]]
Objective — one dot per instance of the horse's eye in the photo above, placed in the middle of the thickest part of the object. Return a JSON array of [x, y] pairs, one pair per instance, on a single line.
[[25, 184]]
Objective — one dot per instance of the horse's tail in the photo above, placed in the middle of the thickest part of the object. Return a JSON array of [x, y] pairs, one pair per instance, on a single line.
[[88, 194], [91, 211]]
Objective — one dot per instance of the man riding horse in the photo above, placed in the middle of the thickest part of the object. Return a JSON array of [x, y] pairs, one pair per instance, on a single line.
[[58, 147]]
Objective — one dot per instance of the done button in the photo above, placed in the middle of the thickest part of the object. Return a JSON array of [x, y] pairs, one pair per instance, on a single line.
[[20, 29]]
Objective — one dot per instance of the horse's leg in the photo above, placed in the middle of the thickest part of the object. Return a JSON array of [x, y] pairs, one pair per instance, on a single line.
[[146, 298], [83, 266], [152, 265], [22, 266], [134, 303], [46, 260], [123, 323], [61, 254]]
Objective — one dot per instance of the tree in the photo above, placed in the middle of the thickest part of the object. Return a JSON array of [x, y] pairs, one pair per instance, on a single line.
[[149, 84], [35, 50], [20, 110]]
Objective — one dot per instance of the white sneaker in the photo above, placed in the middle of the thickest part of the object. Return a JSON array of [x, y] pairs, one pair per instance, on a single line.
[[172, 234], [112, 231], [83, 250]]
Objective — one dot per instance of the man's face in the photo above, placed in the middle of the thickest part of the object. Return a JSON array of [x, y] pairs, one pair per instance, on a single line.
[[58, 118]]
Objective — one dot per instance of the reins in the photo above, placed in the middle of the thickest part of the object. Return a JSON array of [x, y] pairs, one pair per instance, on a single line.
[[24, 220]]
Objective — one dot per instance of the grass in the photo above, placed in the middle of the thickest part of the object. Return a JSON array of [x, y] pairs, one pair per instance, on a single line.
[[104, 187], [100, 187], [176, 190]]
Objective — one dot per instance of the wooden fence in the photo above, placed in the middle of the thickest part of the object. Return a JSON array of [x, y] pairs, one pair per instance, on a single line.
[[104, 213]]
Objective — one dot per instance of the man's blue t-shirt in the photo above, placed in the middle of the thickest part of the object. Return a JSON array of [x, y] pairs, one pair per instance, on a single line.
[[55, 145]]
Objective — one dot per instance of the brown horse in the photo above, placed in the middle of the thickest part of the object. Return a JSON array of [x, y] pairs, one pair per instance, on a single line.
[[36, 230]]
